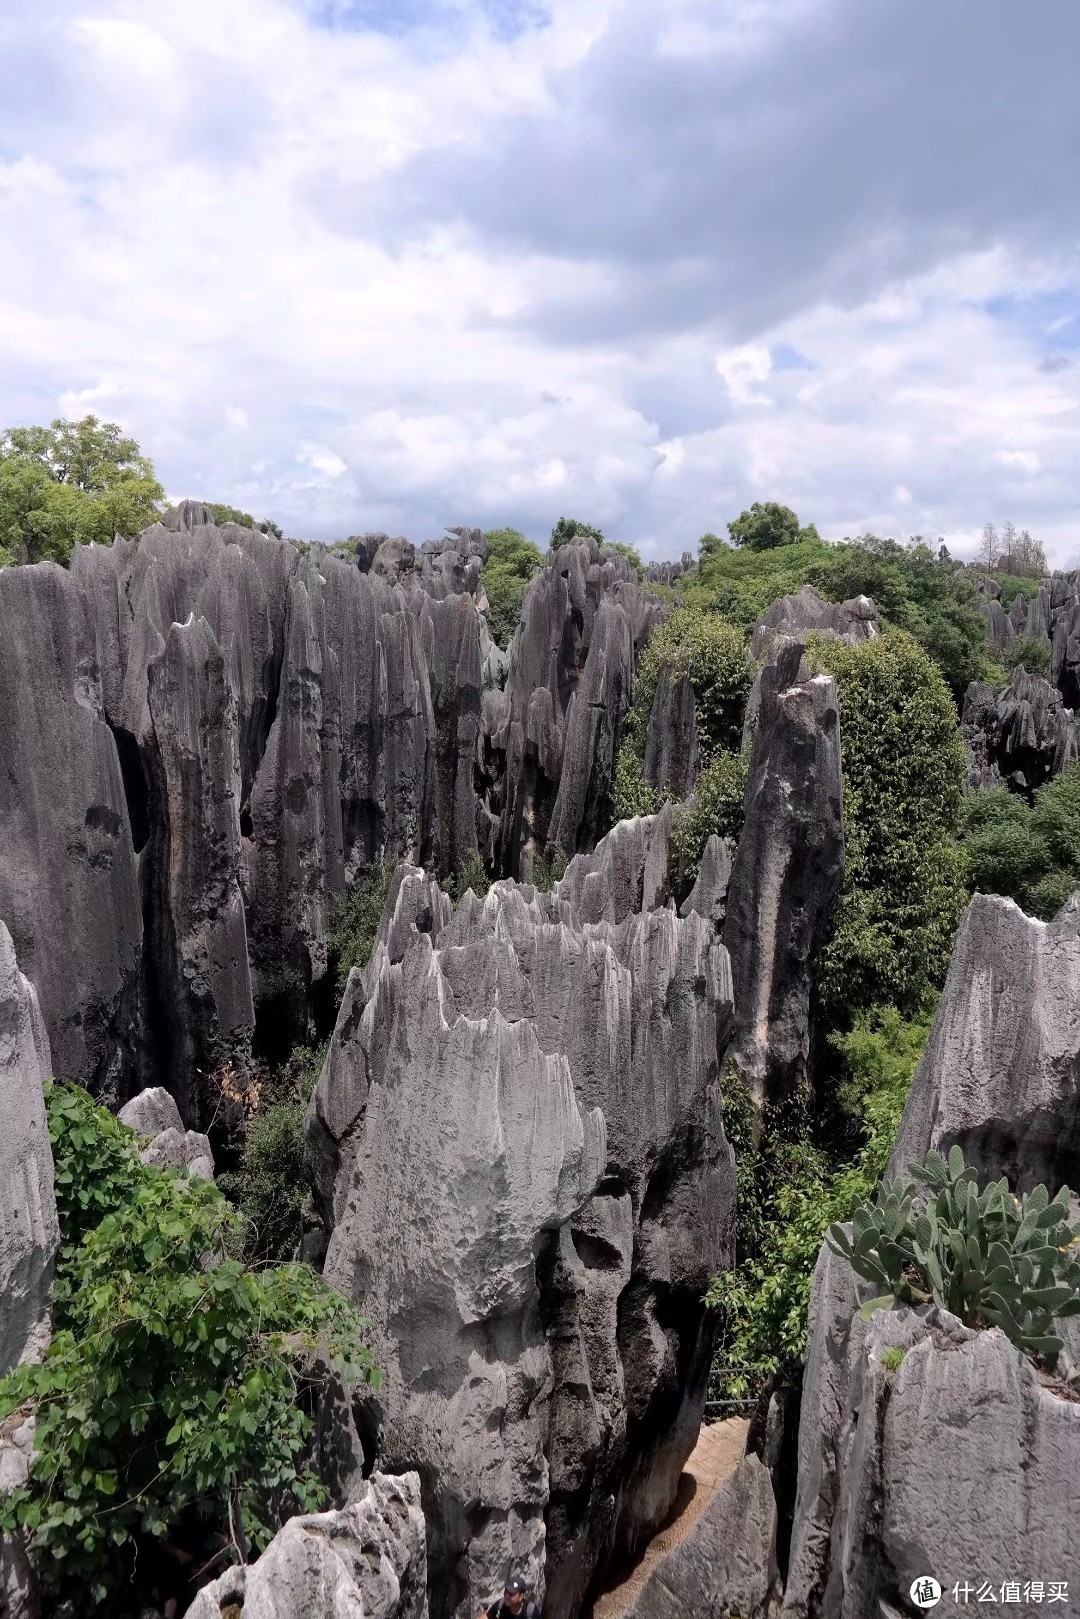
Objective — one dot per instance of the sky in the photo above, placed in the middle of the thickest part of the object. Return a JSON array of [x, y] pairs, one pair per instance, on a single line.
[[358, 264]]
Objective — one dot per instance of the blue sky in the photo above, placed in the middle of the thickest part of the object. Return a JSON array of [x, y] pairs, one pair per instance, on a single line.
[[354, 264]]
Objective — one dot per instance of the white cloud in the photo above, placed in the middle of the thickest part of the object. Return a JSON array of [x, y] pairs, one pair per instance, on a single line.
[[222, 215]]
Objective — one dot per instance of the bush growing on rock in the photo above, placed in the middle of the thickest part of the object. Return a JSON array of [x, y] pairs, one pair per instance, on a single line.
[[715, 806], [790, 1190], [168, 1401], [354, 921], [903, 767], [989, 1258], [572, 528], [711, 652], [1028, 653]]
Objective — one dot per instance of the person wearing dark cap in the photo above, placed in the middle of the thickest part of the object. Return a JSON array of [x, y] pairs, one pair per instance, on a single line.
[[515, 1603]]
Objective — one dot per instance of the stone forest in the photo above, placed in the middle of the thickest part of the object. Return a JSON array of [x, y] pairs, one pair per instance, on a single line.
[[482, 1030]]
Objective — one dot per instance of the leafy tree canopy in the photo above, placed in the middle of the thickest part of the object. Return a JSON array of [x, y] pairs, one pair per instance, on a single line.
[[511, 562], [571, 528], [71, 482], [764, 527], [1028, 853]]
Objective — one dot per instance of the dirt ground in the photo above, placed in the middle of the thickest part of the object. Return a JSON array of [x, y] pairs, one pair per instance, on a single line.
[[714, 1458]]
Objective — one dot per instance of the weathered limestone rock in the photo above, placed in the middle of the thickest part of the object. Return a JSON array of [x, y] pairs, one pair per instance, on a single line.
[[155, 1115], [518, 1147], [569, 685], [787, 871], [68, 885], [29, 1235], [725, 1568], [1023, 735], [708, 897], [671, 759], [366, 1561], [958, 1463], [197, 907], [19, 1597], [853, 621], [1001, 1071]]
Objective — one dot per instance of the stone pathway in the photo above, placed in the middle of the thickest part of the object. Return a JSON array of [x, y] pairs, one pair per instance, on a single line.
[[714, 1458]]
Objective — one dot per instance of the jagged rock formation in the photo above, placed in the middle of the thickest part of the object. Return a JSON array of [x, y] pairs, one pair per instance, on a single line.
[[29, 1235], [549, 737], [708, 897], [1001, 1071], [959, 1463], [853, 621], [672, 761], [207, 735], [154, 1115], [787, 870], [518, 1149], [666, 573], [1022, 735], [726, 1566], [366, 1561]]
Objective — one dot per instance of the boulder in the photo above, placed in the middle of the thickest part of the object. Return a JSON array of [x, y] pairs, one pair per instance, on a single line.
[[852, 621], [787, 870], [725, 1567], [29, 1235], [519, 1157], [367, 1560], [1000, 1075], [959, 1462], [154, 1115]]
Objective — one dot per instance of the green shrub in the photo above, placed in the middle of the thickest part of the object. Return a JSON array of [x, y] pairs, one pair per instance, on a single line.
[[511, 562], [715, 806], [1029, 854], [1029, 653], [711, 653], [903, 888], [1013, 585], [789, 1191], [169, 1393], [893, 1358], [549, 869], [991, 1259], [631, 794], [469, 875], [354, 921]]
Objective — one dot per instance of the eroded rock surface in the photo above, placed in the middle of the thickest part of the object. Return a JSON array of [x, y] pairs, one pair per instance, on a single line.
[[855, 620], [725, 1568], [1001, 1071], [366, 1561], [787, 869], [29, 1234], [1022, 735], [154, 1115], [518, 1148], [957, 1462]]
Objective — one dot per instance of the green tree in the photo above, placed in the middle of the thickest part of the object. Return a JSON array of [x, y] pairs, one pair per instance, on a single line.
[[764, 527], [170, 1393], [1028, 853], [903, 772], [632, 555], [512, 561], [1030, 653], [68, 483], [571, 528]]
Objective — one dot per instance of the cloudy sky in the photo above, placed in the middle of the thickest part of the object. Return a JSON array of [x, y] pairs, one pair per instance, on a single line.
[[395, 264]]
